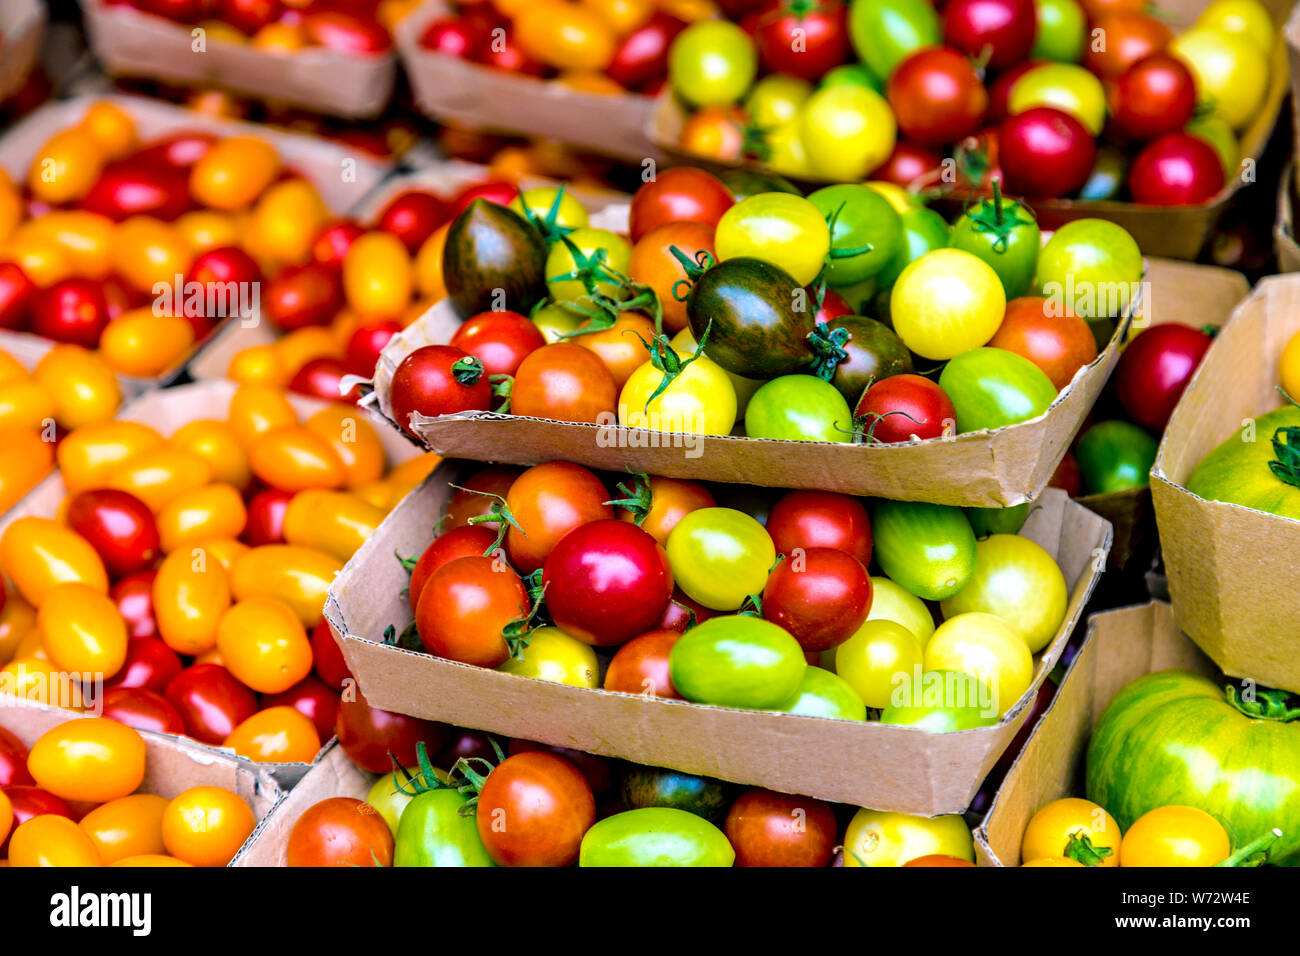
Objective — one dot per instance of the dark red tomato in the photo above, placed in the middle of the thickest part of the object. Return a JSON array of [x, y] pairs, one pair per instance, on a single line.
[[642, 56], [331, 246], [299, 296], [1130, 35], [533, 811], [467, 542], [1003, 28], [322, 377], [133, 595], [833, 306], [477, 494], [439, 380], [214, 268], [16, 292], [606, 582], [678, 195], [71, 310], [909, 163], [119, 526], [13, 760], [820, 595], [1000, 89], [150, 664], [365, 344], [127, 188], [937, 96], [777, 829], [464, 608], [500, 340], [1067, 476], [454, 36], [683, 613], [467, 744], [821, 519], [327, 657], [412, 216], [548, 501], [1154, 96], [313, 700], [903, 407], [142, 709], [505, 53], [347, 32], [248, 16], [1045, 152], [641, 666], [368, 735], [599, 771], [30, 801], [210, 701], [1155, 368], [564, 382], [497, 191], [265, 524], [181, 150], [1176, 170], [802, 39]]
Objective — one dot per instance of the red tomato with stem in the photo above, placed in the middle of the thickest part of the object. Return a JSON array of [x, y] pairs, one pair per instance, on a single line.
[[477, 494], [778, 829], [119, 526], [368, 735], [821, 519], [500, 340], [211, 702], [820, 595], [1155, 368], [641, 666], [937, 97], [466, 542], [678, 195], [903, 407], [546, 805], [464, 609], [1060, 345], [439, 380]]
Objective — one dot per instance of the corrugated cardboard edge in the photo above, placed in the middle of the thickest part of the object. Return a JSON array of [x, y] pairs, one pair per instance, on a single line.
[[134, 43], [1284, 239], [479, 97], [871, 764], [1233, 577], [1120, 647], [22, 24]]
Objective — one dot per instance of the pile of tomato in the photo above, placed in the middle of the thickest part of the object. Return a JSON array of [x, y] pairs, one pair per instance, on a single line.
[[1096, 99]]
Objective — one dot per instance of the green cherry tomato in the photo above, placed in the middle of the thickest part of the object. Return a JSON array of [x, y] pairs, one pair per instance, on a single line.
[[745, 182], [823, 694], [660, 787], [433, 831], [1093, 265], [884, 32], [712, 63], [655, 836], [541, 204], [862, 219], [926, 548], [592, 244], [799, 408], [1062, 31], [1115, 456], [776, 99], [1218, 134], [942, 702], [737, 661], [992, 387], [946, 303], [847, 131], [877, 658], [1004, 233], [1067, 87], [780, 229], [987, 521], [853, 74], [555, 320], [1018, 581], [720, 556], [924, 230]]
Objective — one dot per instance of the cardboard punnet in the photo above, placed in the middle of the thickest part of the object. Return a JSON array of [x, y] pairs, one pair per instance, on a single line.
[[131, 42], [1233, 576], [469, 94], [22, 27], [866, 764], [1121, 646]]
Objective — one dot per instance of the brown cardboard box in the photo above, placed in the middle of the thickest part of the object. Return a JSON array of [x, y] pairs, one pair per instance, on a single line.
[[1232, 571], [1121, 646], [866, 764], [22, 27], [468, 94], [130, 42]]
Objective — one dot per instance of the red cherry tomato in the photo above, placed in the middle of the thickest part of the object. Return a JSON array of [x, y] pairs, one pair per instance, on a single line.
[[778, 829], [439, 380], [332, 245], [366, 342], [678, 195], [248, 16], [265, 523], [937, 97], [129, 188], [641, 665], [210, 701], [347, 32], [548, 501], [906, 406], [642, 56], [802, 39], [1155, 368], [133, 596], [142, 709], [1000, 88], [548, 805], [466, 542], [506, 54], [1001, 29], [322, 377], [31, 801], [1129, 36], [181, 149], [1060, 345], [453, 36], [1154, 96], [683, 613], [150, 665], [330, 665], [368, 735], [464, 608], [215, 268], [477, 494], [412, 216], [499, 192], [820, 595], [500, 340], [1176, 170], [71, 310], [299, 296], [119, 526], [821, 519], [311, 698], [909, 163], [1045, 152], [16, 292], [564, 382]]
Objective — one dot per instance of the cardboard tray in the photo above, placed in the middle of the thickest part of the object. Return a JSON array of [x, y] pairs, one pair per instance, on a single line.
[[22, 28], [468, 94], [131, 42], [865, 764], [1233, 576], [1121, 646]]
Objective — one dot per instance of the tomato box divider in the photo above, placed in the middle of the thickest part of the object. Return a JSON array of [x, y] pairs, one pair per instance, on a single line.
[[1121, 645], [864, 764], [22, 24], [132, 42]]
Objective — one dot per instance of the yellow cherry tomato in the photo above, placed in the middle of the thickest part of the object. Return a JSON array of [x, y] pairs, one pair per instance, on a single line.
[[1072, 828], [206, 826], [145, 345], [10, 368], [302, 345], [874, 656], [25, 404], [286, 221], [296, 575], [257, 409], [292, 458], [555, 656], [52, 840], [377, 275], [36, 679], [234, 172], [82, 384], [414, 470], [216, 443], [65, 167], [986, 648], [159, 475], [226, 551], [354, 440], [1249, 18], [377, 493], [879, 838], [1052, 861], [190, 593], [111, 127], [212, 511], [428, 264], [40, 256], [1019, 582], [38, 554], [890, 602], [16, 620], [86, 237], [622, 16], [275, 735], [206, 229], [82, 630], [88, 455], [150, 860], [335, 522], [95, 760], [1288, 366], [126, 827], [1175, 836], [947, 302], [1230, 70], [150, 253], [257, 364], [264, 645]]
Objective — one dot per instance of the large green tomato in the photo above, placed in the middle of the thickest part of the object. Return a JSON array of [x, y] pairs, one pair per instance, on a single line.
[[720, 556], [1238, 471], [885, 32], [847, 131], [1230, 70], [986, 648], [1004, 233], [1062, 31], [1173, 737], [434, 831], [776, 99], [1018, 581], [611, 248], [863, 218], [943, 702], [991, 388], [883, 838], [1115, 456], [823, 694], [1067, 87], [737, 661], [700, 400], [926, 548], [783, 230], [655, 836], [878, 656], [712, 63], [1092, 265], [799, 408], [947, 302]]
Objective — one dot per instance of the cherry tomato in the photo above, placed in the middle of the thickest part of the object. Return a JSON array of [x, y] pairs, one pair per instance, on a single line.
[[478, 494], [300, 577], [377, 275], [13, 761], [312, 699], [678, 195], [1129, 35], [150, 664], [947, 302], [463, 542], [801, 40], [131, 826], [81, 630], [1001, 30], [439, 380], [1176, 170], [72, 310], [142, 709], [190, 593], [334, 241], [1155, 368], [1175, 836], [720, 556], [711, 63], [368, 735], [210, 701], [206, 826], [820, 595], [641, 666], [879, 838], [783, 230], [340, 831], [38, 554], [1154, 96], [1074, 829], [294, 458], [642, 55], [548, 804], [264, 645], [96, 759], [305, 295], [564, 36], [937, 97], [778, 829], [275, 735], [663, 503], [412, 216], [159, 475], [548, 501], [499, 340], [119, 526], [1060, 345], [355, 443], [50, 840], [82, 384], [1045, 152], [327, 656], [464, 608], [234, 172], [820, 519], [265, 522]]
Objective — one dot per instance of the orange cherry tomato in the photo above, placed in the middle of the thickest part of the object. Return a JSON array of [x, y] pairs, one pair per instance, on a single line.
[[25, 404], [256, 409], [40, 256], [414, 470], [335, 522], [190, 593], [286, 221], [302, 345], [670, 500], [276, 735], [27, 459], [148, 252], [6, 816], [280, 37], [621, 346], [39, 554], [111, 127], [82, 384], [86, 237], [428, 264], [93, 760], [292, 458], [212, 511], [264, 645], [716, 132], [145, 345], [257, 364], [126, 827], [16, 620], [206, 229], [159, 475], [88, 455], [226, 551], [82, 630], [36, 679], [33, 645], [218, 444], [206, 826], [340, 831], [377, 275], [150, 860], [298, 576], [51, 840], [565, 36], [234, 172], [1060, 345], [653, 263], [354, 440], [622, 16], [65, 167]]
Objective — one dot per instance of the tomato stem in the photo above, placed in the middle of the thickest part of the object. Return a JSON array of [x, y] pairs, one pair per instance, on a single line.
[[499, 514], [1265, 704], [638, 499], [1254, 853], [665, 359], [827, 346], [547, 224], [1081, 850], [467, 371]]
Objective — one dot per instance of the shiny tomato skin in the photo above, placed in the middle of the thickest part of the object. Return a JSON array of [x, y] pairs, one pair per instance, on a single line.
[[908, 405], [777, 829], [332, 244], [71, 310], [265, 522], [683, 612], [13, 761], [328, 660], [150, 665], [1045, 152], [909, 163], [300, 296], [803, 40], [426, 382], [678, 195], [142, 709], [642, 55], [16, 291], [937, 96], [548, 501], [412, 216], [311, 698], [1176, 170], [133, 595], [564, 382], [367, 734], [494, 191], [821, 519], [340, 831], [1154, 96], [1005, 28], [477, 494], [606, 582], [1130, 35], [500, 340], [641, 666], [464, 607], [599, 771], [1154, 369], [119, 526], [820, 595], [320, 378], [469, 541], [210, 701], [361, 354], [547, 806], [30, 801], [1060, 345]]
